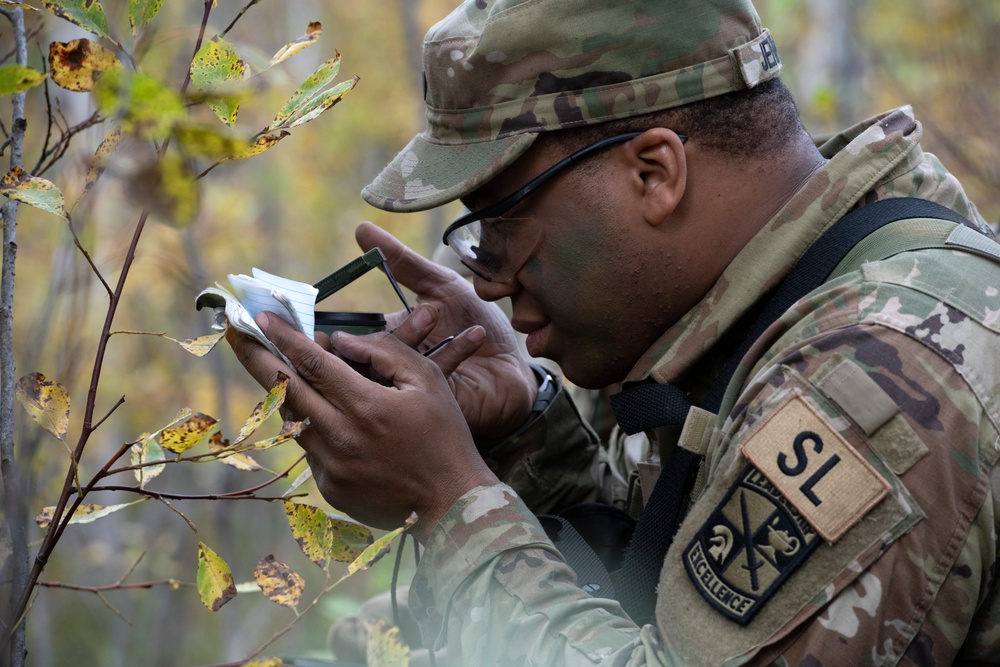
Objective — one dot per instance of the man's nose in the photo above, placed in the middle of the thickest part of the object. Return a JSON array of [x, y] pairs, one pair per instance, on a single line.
[[495, 290]]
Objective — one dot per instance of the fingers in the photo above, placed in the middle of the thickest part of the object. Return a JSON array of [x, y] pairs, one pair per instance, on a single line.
[[464, 346], [411, 269], [417, 326]]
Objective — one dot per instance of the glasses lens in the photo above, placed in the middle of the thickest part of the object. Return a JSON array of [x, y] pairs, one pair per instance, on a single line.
[[495, 248]]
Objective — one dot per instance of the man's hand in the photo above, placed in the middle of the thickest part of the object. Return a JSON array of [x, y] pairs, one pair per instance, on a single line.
[[377, 452], [494, 387]]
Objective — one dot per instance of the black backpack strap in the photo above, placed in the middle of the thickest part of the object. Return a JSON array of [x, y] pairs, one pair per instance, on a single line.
[[641, 407]]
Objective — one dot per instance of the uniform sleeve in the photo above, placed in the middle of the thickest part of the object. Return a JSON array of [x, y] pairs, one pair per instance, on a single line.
[[552, 462], [905, 575], [493, 588]]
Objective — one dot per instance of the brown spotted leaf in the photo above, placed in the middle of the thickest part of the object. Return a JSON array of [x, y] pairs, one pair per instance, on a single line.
[[321, 103], [215, 579], [83, 513], [218, 67], [386, 647], [264, 409], [141, 13], [166, 187], [323, 538], [376, 549], [218, 446], [148, 454], [313, 31], [188, 433], [278, 582], [15, 78], [46, 402], [22, 5], [19, 185], [77, 65], [199, 347], [100, 160], [310, 89], [88, 14], [260, 145]]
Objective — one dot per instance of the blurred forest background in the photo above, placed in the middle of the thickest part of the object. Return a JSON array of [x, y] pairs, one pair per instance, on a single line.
[[292, 212]]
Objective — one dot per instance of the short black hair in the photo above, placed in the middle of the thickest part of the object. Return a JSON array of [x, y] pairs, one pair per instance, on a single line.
[[752, 123]]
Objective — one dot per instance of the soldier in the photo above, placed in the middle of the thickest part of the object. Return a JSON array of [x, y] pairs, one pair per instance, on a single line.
[[643, 191]]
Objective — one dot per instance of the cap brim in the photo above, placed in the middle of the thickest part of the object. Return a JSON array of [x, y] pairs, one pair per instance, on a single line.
[[426, 174]]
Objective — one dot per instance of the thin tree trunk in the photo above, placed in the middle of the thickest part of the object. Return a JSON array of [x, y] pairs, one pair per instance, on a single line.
[[13, 500]]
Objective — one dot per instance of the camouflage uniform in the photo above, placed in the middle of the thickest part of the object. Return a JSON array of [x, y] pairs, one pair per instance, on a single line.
[[911, 583], [847, 512]]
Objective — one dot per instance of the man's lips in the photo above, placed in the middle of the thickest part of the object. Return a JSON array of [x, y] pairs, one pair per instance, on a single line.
[[537, 332]]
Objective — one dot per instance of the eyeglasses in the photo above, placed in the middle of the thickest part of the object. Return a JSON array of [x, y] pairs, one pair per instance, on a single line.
[[489, 243]]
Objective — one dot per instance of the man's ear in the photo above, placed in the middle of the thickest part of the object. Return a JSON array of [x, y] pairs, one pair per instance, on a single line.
[[660, 163]]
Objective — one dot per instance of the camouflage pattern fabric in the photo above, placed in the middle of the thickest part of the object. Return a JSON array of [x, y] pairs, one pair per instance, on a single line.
[[898, 361], [490, 90]]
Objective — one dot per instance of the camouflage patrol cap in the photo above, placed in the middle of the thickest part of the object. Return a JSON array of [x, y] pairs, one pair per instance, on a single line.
[[499, 72]]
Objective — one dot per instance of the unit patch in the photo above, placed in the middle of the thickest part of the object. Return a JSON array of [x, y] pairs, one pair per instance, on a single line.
[[751, 543], [814, 468]]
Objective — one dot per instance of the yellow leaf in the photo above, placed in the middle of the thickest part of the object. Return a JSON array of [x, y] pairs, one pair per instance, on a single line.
[[139, 103], [100, 159], [209, 142], [202, 345], [265, 662], [215, 579], [313, 31], [189, 433], [83, 513], [218, 446], [262, 144], [46, 402], [386, 647], [289, 431], [264, 409], [278, 582], [77, 65], [167, 188], [143, 453], [376, 549], [323, 538]]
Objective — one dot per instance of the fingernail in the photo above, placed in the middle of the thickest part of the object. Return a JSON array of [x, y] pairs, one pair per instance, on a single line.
[[262, 320], [422, 318], [477, 334]]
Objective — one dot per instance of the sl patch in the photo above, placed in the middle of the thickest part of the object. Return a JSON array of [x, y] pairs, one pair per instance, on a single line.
[[751, 543], [814, 468]]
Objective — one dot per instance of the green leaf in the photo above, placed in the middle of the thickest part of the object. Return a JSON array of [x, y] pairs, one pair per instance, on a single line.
[[83, 513], [310, 88], [46, 402], [215, 579], [278, 582], [323, 538], [142, 105], [77, 65], [322, 103], [188, 433], [141, 13], [88, 14], [266, 408], [146, 451], [21, 186], [376, 550], [386, 647], [216, 67], [15, 78]]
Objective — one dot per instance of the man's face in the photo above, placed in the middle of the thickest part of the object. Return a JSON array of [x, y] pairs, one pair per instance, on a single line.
[[590, 294]]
